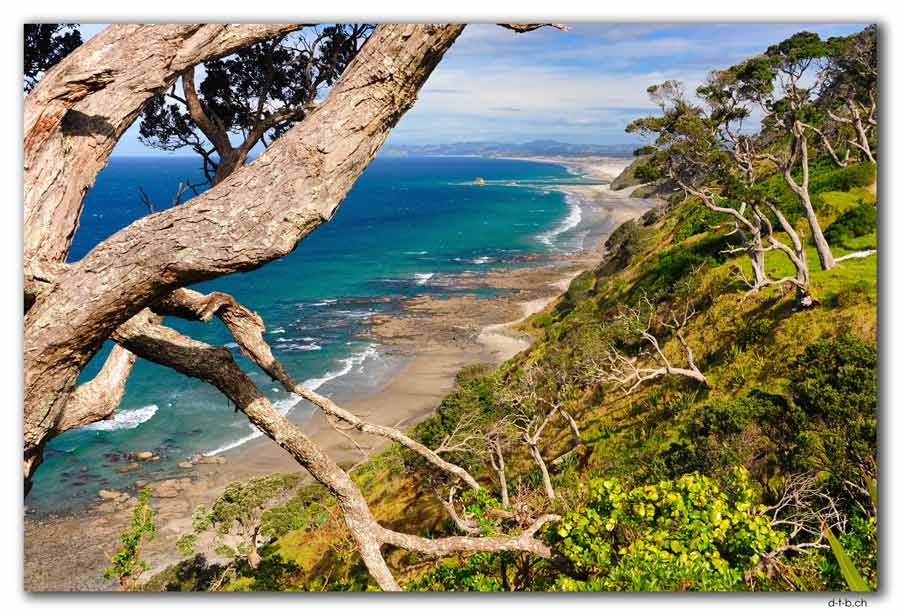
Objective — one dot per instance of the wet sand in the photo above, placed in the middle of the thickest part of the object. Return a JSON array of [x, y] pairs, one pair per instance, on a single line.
[[438, 336]]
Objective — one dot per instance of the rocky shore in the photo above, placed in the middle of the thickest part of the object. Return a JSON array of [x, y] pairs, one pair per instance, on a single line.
[[439, 335]]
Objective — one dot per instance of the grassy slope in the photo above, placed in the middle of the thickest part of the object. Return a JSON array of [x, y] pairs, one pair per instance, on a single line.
[[741, 344]]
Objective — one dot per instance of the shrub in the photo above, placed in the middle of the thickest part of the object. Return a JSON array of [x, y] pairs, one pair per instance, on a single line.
[[837, 380], [472, 397], [857, 222], [756, 431], [842, 180], [695, 533], [476, 574], [623, 244], [835, 384], [127, 565]]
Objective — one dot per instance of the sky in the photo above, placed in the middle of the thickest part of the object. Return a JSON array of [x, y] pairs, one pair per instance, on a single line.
[[580, 86]]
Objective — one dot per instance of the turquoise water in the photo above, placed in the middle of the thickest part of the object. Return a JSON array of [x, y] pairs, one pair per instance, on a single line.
[[408, 226]]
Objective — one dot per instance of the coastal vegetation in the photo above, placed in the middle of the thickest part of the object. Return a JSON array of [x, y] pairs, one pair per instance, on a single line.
[[127, 564], [697, 412], [686, 425]]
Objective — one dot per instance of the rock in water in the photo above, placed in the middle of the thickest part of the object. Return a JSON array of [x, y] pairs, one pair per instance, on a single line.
[[108, 494]]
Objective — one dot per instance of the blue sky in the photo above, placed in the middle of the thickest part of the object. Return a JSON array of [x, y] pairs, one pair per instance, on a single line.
[[581, 86]]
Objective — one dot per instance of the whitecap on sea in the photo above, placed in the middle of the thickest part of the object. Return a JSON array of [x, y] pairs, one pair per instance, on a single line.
[[124, 419], [572, 219], [284, 405]]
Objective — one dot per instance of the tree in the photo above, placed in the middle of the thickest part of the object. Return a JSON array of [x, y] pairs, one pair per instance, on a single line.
[[630, 349], [256, 94], [535, 396], [849, 95], [127, 565], [45, 45], [785, 70], [125, 286], [240, 509], [706, 153]]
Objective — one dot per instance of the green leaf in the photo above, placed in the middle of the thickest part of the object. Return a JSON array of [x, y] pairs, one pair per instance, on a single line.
[[851, 575]]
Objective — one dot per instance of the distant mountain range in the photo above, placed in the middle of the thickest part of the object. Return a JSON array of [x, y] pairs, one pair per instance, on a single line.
[[542, 147]]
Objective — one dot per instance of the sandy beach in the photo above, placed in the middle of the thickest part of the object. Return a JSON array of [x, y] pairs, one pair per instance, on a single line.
[[436, 336]]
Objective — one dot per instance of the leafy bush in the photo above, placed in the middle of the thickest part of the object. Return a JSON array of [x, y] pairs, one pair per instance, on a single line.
[[127, 565], [835, 383], [624, 243], [695, 218], [695, 533], [298, 513], [476, 574], [837, 179], [857, 222], [755, 431], [666, 271]]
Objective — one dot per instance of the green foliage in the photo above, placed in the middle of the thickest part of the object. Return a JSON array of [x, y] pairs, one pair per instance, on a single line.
[[477, 574], [472, 397], [855, 223], [695, 533], [127, 565], [623, 245], [274, 574], [243, 502], [830, 178], [754, 431], [695, 218], [478, 504], [186, 544], [835, 383], [851, 575], [298, 513], [668, 270]]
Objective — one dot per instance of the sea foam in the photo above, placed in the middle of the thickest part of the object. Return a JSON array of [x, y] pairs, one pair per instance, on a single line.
[[124, 419], [284, 405], [572, 219]]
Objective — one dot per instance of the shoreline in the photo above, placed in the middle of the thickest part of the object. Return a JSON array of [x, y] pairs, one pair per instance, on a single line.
[[439, 336]]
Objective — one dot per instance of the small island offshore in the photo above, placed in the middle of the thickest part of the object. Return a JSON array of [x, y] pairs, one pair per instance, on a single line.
[[527, 364]]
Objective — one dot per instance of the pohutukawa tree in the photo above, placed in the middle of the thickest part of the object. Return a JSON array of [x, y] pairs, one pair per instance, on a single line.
[[849, 94], [786, 84], [45, 45], [124, 287], [706, 152], [250, 97]]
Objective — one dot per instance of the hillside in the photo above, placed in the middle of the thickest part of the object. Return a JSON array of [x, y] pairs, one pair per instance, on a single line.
[[713, 480]]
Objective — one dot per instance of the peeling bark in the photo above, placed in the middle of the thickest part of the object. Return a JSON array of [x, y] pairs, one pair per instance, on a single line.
[[83, 105]]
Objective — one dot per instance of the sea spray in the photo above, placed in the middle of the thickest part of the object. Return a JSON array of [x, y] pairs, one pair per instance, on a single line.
[[570, 222], [127, 418]]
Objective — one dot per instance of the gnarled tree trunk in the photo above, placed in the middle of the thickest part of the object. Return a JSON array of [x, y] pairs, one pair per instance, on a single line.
[[83, 105], [258, 214], [125, 285]]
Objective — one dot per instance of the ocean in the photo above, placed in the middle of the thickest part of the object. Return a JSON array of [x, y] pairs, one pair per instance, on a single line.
[[408, 227]]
